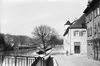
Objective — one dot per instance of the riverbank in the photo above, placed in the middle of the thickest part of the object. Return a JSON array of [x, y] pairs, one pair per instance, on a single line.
[[21, 52]]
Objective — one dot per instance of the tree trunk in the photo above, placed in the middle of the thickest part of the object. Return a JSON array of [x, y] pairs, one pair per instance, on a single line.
[[44, 47]]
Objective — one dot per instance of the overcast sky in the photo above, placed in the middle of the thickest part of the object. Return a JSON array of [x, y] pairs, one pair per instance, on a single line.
[[19, 17]]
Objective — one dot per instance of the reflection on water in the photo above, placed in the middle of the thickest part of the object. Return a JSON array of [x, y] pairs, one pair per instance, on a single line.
[[18, 52]]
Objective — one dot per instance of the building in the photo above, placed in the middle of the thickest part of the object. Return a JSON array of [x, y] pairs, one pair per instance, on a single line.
[[75, 41], [66, 39], [93, 29]]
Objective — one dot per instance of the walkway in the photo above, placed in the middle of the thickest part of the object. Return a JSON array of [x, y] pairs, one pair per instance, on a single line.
[[73, 60]]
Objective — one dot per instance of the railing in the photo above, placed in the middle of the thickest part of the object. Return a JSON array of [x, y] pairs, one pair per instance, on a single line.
[[49, 61], [40, 61], [10, 60]]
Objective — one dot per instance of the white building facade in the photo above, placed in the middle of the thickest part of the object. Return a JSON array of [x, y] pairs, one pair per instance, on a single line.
[[75, 38], [78, 41], [66, 37]]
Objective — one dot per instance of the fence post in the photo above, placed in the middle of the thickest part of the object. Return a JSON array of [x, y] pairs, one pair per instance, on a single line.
[[2, 57], [1, 60], [8, 61], [26, 61], [41, 62], [44, 63], [15, 61]]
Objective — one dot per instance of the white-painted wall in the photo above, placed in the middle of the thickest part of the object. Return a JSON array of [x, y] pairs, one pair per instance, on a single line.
[[69, 40], [66, 40]]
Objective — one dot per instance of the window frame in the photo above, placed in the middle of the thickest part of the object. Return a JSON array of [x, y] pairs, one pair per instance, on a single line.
[[98, 11], [83, 33], [98, 26], [77, 43], [95, 13], [76, 33]]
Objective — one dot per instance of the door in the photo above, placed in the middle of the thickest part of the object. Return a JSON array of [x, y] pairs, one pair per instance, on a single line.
[[77, 49]]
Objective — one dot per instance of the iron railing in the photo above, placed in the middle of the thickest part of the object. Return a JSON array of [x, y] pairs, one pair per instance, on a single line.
[[10, 60], [17, 60], [40, 61]]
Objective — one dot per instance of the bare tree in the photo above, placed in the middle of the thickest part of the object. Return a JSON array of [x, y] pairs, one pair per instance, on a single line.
[[43, 33]]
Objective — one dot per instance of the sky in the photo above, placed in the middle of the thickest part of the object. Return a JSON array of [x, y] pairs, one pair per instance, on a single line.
[[20, 17]]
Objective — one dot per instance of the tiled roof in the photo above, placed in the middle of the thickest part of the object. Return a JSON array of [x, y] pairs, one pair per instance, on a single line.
[[77, 24], [91, 5], [66, 32]]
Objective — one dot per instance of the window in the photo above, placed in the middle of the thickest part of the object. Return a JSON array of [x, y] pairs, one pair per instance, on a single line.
[[99, 45], [98, 26], [83, 33], [89, 32], [95, 13], [76, 33], [77, 43], [95, 29], [88, 44], [98, 11], [91, 44], [90, 16], [87, 19]]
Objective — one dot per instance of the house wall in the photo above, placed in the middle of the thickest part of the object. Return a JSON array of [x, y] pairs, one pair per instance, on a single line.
[[93, 41], [66, 40], [97, 36], [69, 40], [90, 34], [66, 43], [81, 39]]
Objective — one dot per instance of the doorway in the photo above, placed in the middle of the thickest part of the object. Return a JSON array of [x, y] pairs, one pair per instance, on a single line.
[[77, 49]]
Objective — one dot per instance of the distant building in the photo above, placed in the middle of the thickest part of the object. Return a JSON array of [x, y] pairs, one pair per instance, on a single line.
[[93, 29], [75, 41]]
